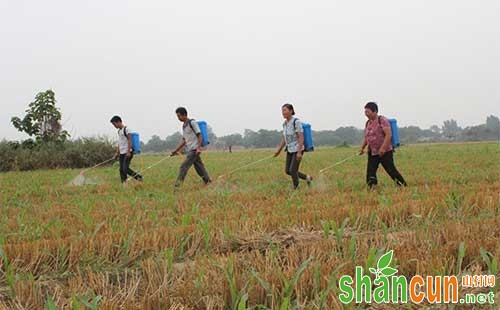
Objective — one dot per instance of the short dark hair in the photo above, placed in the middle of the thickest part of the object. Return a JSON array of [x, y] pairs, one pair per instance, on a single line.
[[116, 119], [372, 106], [289, 107], [182, 111]]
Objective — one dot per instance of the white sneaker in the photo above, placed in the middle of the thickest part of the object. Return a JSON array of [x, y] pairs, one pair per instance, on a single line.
[[309, 180]]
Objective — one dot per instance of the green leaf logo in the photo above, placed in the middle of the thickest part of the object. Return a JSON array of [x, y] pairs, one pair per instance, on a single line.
[[384, 260], [388, 271], [383, 269]]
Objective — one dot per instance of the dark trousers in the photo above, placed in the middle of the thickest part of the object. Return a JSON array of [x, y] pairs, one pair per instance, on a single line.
[[292, 168], [125, 168], [192, 159], [387, 162]]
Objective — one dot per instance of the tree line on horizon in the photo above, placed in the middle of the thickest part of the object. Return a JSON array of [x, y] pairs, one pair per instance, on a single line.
[[49, 146], [449, 131], [42, 122]]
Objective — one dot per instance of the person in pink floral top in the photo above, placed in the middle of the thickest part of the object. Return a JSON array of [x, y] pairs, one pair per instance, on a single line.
[[378, 139]]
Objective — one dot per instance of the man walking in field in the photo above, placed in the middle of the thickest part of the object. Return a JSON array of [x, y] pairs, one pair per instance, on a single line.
[[192, 143], [378, 139], [125, 151]]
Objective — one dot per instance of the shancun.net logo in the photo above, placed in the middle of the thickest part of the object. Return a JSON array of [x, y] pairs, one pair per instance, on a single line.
[[387, 287]]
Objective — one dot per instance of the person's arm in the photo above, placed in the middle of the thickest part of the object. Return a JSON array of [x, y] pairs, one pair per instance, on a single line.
[[301, 145], [129, 140], [364, 143], [179, 147], [117, 153], [387, 140], [200, 141], [280, 147]]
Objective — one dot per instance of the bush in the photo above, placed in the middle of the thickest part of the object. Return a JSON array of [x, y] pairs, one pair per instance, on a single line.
[[7, 156], [80, 153]]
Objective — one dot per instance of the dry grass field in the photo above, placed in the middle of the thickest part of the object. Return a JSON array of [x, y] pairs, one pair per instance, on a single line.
[[247, 241]]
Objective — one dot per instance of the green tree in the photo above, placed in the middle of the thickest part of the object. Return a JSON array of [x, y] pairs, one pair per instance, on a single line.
[[349, 135], [493, 124], [173, 140], [327, 137], [451, 130], [435, 129], [211, 135], [42, 120], [262, 138], [155, 144], [232, 139]]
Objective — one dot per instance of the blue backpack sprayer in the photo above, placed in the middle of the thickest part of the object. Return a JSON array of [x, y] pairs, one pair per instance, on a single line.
[[308, 137], [136, 144], [394, 141], [203, 131], [394, 130]]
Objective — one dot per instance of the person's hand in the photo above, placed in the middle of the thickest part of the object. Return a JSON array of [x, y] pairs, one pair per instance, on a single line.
[[361, 151], [277, 153], [116, 156], [174, 153], [198, 151], [381, 152], [299, 156], [129, 154]]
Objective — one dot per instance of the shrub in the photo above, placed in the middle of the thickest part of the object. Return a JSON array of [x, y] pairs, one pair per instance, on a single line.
[[80, 153]]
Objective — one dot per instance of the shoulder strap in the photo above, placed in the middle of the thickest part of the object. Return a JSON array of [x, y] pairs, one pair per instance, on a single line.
[[380, 124], [190, 124], [294, 123], [124, 131]]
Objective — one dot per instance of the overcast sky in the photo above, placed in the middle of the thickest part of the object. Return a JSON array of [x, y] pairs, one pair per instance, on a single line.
[[234, 63]]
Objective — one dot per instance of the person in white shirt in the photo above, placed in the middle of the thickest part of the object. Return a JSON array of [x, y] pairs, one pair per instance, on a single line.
[[293, 142], [191, 142], [125, 152]]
